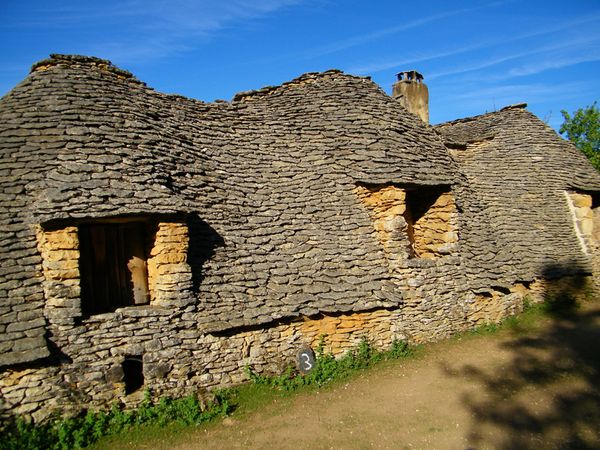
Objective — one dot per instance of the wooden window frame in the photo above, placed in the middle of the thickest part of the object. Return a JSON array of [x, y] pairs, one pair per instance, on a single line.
[[113, 263]]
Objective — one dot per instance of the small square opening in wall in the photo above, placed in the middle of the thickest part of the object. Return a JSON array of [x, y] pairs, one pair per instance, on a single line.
[[113, 266], [133, 374], [412, 221], [430, 229]]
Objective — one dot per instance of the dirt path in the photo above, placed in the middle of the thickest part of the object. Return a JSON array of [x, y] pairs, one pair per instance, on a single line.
[[505, 391]]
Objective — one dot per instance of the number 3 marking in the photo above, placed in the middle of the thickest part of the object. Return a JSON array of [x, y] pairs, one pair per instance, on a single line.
[[307, 361]]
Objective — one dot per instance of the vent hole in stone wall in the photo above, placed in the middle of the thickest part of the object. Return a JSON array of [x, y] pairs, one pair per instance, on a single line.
[[133, 372], [501, 289]]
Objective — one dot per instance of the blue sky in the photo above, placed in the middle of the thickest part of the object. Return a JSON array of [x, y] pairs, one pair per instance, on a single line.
[[476, 56]]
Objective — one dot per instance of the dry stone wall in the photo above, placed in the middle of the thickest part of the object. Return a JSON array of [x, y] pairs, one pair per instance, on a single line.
[[59, 249], [413, 223], [177, 359], [583, 219], [387, 206], [517, 171], [319, 207]]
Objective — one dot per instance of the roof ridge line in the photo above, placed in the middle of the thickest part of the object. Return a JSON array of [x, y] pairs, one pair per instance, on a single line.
[[56, 59], [240, 96], [522, 105]]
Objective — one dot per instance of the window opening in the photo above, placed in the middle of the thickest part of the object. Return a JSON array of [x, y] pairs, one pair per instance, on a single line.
[[133, 374], [113, 266], [428, 217], [412, 221], [596, 218], [585, 214]]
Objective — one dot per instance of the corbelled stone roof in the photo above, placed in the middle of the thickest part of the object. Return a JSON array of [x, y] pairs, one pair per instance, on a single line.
[[267, 180], [516, 219]]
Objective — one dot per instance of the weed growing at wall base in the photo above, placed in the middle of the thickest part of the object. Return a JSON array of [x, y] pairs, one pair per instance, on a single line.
[[328, 368], [81, 431]]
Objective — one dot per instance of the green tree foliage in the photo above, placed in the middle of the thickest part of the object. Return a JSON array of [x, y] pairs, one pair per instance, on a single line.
[[583, 129]]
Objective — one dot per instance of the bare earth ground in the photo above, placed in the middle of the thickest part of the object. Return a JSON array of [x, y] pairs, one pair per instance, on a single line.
[[510, 390]]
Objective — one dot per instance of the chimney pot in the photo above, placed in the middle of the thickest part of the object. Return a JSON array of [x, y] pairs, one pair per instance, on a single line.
[[410, 75], [412, 93]]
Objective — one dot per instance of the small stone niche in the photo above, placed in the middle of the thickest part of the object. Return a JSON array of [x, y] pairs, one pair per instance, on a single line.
[[412, 222], [133, 373]]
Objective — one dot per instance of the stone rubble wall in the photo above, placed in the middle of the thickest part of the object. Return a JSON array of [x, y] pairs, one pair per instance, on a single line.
[[430, 236], [295, 200], [583, 219], [586, 221], [492, 307], [179, 360], [387, 207]]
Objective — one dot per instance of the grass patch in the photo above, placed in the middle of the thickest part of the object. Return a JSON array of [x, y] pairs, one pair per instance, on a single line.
[[81, 431], [531, 318], [150, 419], [329, 368]]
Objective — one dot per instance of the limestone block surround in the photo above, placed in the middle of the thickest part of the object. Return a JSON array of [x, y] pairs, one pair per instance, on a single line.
[[585, 211], [412, 222], [165, 269], [585, 219]]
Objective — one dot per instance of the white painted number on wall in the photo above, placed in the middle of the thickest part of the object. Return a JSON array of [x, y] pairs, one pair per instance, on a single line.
[[305, 359], [306, 365]]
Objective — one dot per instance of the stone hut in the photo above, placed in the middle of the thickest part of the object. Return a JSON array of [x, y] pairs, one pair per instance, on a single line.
[[152, 241]]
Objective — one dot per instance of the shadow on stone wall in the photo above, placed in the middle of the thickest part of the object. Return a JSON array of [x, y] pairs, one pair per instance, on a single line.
[[204, 241], [548, 394]]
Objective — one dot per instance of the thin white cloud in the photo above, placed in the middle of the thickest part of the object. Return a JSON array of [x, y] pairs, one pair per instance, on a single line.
[[203, 14], [506, 91], [491, 98], [554, 63], [374, 35], [378, 67], [179, 16], [368, 37], [144, 29], [546, 51], [395, 62], [541, 98]]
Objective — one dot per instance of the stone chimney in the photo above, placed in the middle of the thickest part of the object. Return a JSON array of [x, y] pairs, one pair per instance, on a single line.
[[412, 93]]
